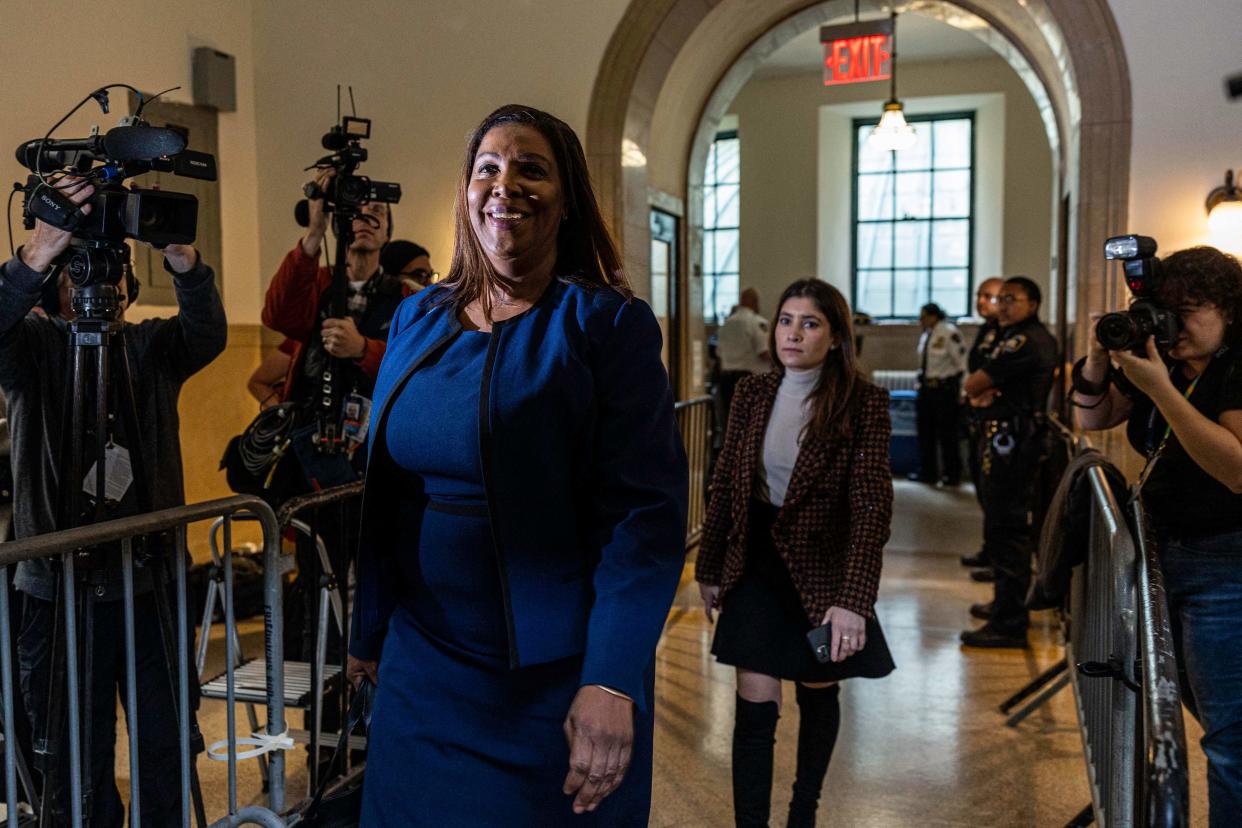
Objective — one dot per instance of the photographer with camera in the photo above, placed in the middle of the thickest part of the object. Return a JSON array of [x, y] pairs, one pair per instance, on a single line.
[[35, 352], [298, 302], [1182, 406], [350, 345]]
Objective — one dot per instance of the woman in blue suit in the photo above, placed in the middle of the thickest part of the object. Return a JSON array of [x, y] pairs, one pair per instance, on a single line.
[[524, 517]]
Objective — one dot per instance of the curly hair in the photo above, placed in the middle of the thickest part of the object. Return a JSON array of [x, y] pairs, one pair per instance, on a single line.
[[1204, 276]]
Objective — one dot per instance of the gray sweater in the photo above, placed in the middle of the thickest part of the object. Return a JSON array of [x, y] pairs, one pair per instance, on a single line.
[[783, 439], [34, 363]]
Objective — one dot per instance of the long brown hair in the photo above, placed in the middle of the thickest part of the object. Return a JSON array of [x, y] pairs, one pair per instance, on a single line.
[[832, 400], [585, 249]]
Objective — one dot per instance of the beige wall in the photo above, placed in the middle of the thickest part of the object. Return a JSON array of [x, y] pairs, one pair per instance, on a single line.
[[1185, 132], [796, 167], [426, 72], [57, 51]]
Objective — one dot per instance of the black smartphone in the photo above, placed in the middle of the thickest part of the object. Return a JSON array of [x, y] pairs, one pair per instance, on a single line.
[[820, 640]]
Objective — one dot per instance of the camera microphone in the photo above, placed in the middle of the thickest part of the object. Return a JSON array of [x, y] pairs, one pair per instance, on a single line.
[[301, 213], [142, 143], [123, 143]]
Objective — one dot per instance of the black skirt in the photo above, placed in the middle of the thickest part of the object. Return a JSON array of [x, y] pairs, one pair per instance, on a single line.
[[762, 625]]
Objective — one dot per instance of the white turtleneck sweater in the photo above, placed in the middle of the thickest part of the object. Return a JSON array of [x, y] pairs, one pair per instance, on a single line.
[[783, 438]]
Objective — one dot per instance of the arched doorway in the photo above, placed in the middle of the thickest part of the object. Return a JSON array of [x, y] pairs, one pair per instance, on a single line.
[[672, 66]]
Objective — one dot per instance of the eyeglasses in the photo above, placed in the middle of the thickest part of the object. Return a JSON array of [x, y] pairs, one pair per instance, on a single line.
[[1010, 299], [421, 274], [990, 298]]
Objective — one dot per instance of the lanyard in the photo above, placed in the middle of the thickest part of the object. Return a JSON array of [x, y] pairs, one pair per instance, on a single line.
[[1150, 465]]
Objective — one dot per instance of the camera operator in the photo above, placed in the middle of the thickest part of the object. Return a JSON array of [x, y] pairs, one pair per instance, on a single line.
[[1184, 409], [297, 306], [34, 360], [1009, 392], [297, 301]]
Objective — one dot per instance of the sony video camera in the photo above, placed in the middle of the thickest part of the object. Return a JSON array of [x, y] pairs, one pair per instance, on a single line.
[[98, 254], [1129, 329], [346, 192]]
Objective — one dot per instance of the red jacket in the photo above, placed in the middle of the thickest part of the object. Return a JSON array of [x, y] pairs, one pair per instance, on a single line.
[[292, 308], [833, 526]]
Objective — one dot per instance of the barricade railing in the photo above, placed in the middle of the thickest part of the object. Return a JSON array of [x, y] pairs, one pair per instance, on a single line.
[[65, 545], [1041, 689], [306, 681], [1125, 673], [694, 418]]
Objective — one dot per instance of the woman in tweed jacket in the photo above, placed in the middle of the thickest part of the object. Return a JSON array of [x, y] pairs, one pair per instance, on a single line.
[[798, 518]]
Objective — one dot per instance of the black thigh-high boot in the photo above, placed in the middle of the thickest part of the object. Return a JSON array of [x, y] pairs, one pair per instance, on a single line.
[[819, 711], [754, 734]]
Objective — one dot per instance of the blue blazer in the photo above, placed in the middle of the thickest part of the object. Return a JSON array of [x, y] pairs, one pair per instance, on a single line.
[[584, 471]]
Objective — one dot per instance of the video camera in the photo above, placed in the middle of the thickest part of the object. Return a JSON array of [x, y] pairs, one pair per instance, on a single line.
[[1129, 329], [346, 192], [98, 255]]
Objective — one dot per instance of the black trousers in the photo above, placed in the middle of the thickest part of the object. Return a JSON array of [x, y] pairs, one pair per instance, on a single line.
[[728, 384], [1009, 460], [937, 420], [158, 755]]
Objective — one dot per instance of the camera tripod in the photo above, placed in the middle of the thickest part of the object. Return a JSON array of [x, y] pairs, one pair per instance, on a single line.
[[99, 373]]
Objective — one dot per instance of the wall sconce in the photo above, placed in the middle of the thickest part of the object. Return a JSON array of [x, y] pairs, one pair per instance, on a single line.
[[1224, 209]]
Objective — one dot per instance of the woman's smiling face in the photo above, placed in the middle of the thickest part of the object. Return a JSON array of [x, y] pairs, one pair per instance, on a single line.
[[514, 196]]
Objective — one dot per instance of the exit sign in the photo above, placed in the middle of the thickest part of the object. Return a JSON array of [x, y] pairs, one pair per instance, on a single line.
[[857, 52]]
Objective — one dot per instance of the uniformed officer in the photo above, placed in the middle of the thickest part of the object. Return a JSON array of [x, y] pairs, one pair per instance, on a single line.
[[942, 360], [1010, 390], [987, 305], [742, 346]]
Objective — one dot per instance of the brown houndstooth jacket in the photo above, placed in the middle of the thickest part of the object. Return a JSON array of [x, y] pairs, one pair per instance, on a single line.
[[833, 526]]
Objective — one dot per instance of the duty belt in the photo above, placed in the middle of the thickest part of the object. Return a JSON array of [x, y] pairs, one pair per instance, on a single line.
[[940, 382]]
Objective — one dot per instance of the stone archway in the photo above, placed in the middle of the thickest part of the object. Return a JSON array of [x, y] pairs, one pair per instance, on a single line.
[[673, 65]]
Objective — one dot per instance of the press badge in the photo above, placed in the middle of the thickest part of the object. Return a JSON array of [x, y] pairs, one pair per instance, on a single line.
[[356, 420], [118, 474]]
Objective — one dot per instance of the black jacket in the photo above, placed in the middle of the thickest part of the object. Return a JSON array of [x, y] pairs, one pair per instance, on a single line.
[[34, 362]]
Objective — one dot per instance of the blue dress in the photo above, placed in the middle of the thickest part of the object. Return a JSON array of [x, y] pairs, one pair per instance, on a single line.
[[457, 737]]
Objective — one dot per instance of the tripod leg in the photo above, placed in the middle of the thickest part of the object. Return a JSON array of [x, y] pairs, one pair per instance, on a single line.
[[49, 745], [87, 660], [175, 646]]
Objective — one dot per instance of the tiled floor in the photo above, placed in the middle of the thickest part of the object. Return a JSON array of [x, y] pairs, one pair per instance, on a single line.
[[925, 746]]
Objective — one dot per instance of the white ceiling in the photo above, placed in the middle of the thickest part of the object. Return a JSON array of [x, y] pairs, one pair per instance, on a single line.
[[918, 38]]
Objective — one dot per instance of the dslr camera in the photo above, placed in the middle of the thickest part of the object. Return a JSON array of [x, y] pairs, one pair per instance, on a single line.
[[346, 192], [1129, 329], [97, 254]]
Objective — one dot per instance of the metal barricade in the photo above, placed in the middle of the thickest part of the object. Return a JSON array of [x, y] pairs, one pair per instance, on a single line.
[[65, 545], [1125, 678], [306, 681], [694, 419]]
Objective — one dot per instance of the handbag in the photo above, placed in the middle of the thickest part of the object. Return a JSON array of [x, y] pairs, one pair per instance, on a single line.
[[343, 807]]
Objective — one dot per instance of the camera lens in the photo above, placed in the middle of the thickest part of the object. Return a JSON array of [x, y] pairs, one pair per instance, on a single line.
[[1117, 331], [150, 216], [352, 190]]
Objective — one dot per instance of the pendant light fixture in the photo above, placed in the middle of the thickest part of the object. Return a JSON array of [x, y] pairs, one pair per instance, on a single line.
[[892, 132]]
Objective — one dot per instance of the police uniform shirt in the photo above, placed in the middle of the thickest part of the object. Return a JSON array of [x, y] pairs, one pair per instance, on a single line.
[[985, 341], [1021, 369], [942, 351], [741, 340]]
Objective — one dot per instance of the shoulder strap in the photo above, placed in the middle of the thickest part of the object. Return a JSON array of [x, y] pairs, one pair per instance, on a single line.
[[359, 712]]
